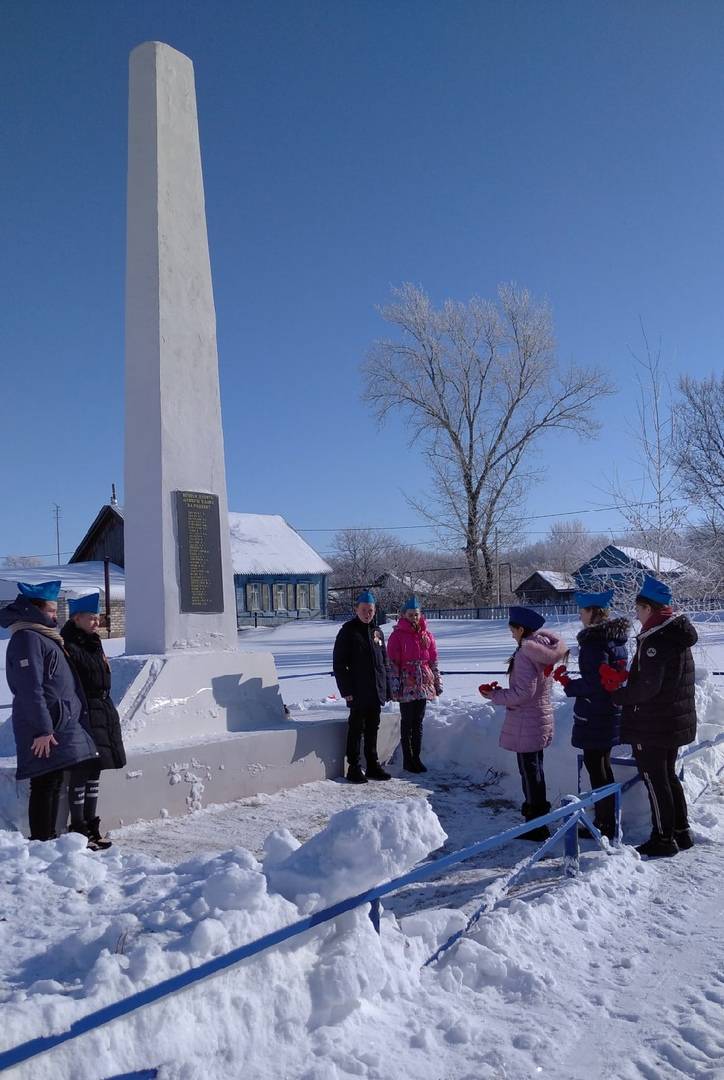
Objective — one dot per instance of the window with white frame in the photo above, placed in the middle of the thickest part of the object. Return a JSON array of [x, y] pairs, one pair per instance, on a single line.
[[314, 596], [303, 596], [253, 596], [280, 597], [266, 597]]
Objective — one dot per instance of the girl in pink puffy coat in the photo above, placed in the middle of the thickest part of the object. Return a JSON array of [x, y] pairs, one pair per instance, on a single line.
[[528, 725], [414, 677]]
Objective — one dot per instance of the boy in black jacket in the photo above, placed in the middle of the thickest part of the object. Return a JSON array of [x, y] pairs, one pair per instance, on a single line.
[[360, 668]]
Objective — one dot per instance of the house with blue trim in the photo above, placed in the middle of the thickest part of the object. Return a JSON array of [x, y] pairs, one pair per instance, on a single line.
[[618, 566], [277, 575]]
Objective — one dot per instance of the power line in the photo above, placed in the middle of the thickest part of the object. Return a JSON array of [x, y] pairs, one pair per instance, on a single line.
[[530, 517]]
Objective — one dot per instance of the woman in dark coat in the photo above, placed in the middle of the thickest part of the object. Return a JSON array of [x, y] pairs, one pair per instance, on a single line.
[[596, 718], [85, 650], [659, 712], [50, 715]]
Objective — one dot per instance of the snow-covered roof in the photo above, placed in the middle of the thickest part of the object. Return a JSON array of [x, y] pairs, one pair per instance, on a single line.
[[559, 580], [266, 544], [647, 559], [77, 579]]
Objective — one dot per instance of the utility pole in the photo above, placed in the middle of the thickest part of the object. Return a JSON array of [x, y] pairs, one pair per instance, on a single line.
[[56, 512]]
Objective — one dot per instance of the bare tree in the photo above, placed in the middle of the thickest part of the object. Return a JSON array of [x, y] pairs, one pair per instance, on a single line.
[[359, 556], [651, 504], [699, 445], [479, 384], [18, 561]]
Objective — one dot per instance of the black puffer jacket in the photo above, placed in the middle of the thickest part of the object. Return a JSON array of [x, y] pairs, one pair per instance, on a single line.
[[658, 701], [360, 664], [88, 659]]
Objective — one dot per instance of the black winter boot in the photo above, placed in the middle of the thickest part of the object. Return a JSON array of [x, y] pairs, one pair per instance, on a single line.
[[376, 772], [684, 839], [94, 832], [658, 847], [540, 832], [355, 775], [82, 828]]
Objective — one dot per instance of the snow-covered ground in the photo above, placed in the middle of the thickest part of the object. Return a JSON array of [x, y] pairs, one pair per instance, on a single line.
[[616, 973]]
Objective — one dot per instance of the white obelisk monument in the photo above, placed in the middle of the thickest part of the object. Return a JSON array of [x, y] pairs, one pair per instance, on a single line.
[[179, 578]]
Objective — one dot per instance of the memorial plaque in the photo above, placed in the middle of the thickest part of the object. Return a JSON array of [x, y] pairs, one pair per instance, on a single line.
[[199, 549]]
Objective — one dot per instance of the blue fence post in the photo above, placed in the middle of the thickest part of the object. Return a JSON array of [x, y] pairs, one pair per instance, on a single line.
[[617, 811], [375, 913], [570, 842]]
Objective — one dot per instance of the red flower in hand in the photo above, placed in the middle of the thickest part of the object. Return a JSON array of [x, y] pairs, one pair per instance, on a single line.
[[561, 675], [612, 678], [486, 687], [548, 670]]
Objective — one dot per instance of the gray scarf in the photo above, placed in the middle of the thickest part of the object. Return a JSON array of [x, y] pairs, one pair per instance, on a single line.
[[49, 631]]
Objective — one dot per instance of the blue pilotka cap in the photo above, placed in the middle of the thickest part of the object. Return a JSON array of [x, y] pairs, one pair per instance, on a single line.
[[366, 597], [595, 599], [413, 604], [46, 590], [91, 603], [655, 590], [525, 616]]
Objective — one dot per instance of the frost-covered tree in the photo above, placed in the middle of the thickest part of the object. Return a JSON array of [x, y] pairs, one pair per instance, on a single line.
[[480, 384], [16, 562], [699, 445]]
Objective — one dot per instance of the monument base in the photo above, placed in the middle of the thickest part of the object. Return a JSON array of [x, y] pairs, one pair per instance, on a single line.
[[175, 779]]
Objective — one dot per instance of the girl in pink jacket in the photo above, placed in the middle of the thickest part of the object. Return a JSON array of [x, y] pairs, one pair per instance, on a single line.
[[528, 725], [414, 677]]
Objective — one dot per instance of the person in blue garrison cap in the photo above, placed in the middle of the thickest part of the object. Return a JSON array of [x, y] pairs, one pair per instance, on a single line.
[[659, 712], [50, 715], [360, 668], [596, 717], [85, 649]]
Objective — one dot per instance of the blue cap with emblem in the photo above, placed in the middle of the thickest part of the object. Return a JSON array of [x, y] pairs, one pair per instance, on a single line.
[[655, 590], [45, 590], [366, 597], [91, 603], [413, 604]]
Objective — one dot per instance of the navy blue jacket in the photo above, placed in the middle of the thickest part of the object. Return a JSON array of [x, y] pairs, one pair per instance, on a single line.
[[47, 696], [596, 717], [360, 664]]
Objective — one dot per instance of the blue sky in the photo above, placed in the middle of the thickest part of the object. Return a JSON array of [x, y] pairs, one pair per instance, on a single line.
[[575, 148]]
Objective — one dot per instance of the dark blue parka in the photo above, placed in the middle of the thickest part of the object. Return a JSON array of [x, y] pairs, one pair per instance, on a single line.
[[47, 695], [596, 719]]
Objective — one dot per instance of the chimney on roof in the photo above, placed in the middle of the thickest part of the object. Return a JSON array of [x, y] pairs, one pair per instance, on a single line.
[[114, 500]]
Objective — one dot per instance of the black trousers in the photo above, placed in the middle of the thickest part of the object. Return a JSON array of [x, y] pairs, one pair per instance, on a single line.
[[363, 723], [43, 805], [83, 785], [657, 765], [598, 767], [530, 766], [412, 713]]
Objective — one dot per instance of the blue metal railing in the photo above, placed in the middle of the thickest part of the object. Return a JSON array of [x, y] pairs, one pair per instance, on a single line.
[[573, 810]]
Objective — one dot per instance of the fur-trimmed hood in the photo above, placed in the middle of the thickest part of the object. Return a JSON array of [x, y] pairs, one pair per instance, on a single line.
[[544, 647], [617, 630]]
